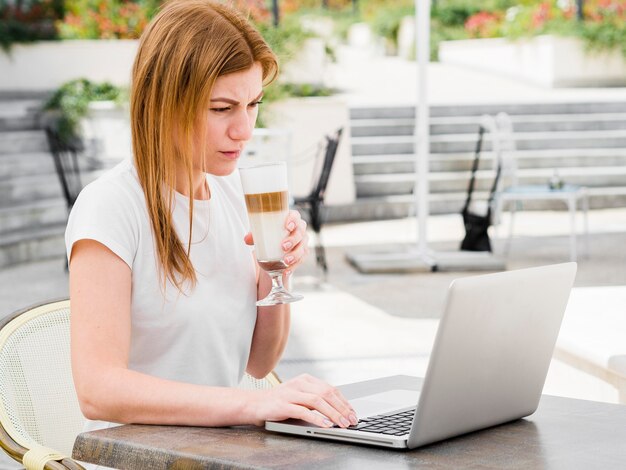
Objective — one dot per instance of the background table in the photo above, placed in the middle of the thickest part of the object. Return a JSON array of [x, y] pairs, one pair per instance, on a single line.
[[562, 434]]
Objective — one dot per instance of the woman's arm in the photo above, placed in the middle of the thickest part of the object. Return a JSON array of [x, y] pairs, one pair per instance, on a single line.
[[272, 325], [100, 291]]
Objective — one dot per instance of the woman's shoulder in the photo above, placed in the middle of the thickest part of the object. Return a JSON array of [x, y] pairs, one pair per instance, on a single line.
[[119, 185]]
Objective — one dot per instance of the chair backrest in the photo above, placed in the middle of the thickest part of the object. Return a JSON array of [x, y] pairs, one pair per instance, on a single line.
[[66, 164], [38, 403], [332, 144], [250, 383], [506, 149]]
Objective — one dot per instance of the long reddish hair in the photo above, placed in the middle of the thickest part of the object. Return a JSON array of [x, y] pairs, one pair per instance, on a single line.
[[181, 53]]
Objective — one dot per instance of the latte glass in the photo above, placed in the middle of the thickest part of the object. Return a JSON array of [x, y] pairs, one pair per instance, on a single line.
[[267, 200]]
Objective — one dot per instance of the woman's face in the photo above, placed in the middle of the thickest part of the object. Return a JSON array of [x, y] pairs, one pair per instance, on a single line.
[[228, 123]]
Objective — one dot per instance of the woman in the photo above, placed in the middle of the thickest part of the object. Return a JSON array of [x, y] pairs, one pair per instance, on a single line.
[[163, 283]]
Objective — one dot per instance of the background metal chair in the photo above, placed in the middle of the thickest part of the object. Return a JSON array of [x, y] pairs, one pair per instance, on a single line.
[[509, 190], [39, 412], [312, 204], [66, 164]]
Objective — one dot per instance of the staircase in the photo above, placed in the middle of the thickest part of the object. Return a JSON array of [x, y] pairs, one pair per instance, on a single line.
[[585, 141], [33, 212]]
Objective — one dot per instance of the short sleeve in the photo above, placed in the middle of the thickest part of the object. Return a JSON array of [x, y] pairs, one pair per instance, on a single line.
[[105, 212]]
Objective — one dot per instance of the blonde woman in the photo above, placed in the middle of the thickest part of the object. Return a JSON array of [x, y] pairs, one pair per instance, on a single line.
[[163, 282]]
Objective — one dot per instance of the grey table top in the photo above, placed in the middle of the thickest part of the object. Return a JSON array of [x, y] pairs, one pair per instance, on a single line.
[[562, 434]]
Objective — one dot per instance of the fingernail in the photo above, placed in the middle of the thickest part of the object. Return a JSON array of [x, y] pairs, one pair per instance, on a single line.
[[327, 423], [291, 226], [344, 421], [353, 419], [287, 246], [289, 259]]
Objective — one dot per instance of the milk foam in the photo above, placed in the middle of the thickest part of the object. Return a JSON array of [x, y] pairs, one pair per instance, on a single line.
[[268, 230], [268, 178]]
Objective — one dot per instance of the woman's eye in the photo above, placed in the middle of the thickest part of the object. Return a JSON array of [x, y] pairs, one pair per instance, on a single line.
[[220, 110], [255, 104]]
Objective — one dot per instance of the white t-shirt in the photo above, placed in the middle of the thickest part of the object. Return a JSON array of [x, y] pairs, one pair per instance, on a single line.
[[204, 335]]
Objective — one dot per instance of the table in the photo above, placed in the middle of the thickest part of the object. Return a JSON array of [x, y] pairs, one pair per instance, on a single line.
[[568, 193], [562, 434]]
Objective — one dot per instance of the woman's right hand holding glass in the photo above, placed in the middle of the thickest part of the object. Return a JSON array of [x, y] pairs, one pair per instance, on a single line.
[[306, 398]]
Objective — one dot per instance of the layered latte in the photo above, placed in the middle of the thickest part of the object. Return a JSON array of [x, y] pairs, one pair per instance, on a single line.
[[267, 201]]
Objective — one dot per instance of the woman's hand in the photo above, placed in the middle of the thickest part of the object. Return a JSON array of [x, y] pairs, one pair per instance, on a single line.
[[295, 244], [306, 398]]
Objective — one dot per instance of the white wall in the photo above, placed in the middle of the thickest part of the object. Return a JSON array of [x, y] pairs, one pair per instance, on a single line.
[[549, 61], [46, 65]]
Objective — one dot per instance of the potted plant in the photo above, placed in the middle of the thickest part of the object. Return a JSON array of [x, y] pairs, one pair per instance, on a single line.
[[95, 113]]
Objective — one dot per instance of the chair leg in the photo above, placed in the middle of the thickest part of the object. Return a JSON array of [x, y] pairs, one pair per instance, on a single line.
[[512, 210], [320, 251], [585, 204], [571, 204], [320, 254]]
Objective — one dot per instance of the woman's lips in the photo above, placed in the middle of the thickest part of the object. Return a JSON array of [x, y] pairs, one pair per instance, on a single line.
[[231, 154]]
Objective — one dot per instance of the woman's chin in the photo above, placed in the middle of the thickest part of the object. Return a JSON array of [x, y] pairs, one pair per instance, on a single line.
[[223, 168]]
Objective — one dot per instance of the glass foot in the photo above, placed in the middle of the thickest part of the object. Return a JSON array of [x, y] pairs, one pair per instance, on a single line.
[[277, 298]]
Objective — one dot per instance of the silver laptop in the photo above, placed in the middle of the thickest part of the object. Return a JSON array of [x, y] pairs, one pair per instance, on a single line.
[[488, 365]]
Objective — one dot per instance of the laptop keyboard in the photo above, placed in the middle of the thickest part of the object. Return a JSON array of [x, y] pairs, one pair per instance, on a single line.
[[396, 424]]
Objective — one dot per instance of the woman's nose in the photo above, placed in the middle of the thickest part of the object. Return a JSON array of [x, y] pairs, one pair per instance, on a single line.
[[241, 127]]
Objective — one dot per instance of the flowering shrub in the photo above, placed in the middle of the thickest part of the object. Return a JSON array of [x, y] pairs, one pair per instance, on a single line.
[[604, 25], [483, 25], [255, 9], [103, 19], [28, 21]]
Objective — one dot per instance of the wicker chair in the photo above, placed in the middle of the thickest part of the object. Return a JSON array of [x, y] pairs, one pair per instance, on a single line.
[[39, 411]]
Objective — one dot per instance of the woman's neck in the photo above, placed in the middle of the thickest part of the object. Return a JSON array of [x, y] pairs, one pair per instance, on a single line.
[[200, 187]]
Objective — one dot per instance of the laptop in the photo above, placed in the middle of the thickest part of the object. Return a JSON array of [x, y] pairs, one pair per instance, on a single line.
[[488, 364]]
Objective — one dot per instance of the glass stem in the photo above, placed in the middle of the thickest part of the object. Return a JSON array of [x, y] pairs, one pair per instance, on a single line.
[[277, 281]]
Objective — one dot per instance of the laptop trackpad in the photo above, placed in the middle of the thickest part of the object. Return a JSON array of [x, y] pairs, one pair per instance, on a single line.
[[384, 402]]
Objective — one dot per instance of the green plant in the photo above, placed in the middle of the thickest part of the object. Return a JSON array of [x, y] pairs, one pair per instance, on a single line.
[[70, 103], [28, 21], [605, 25], [286, 40], [386, 22]]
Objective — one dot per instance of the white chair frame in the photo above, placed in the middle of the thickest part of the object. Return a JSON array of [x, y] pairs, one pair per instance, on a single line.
[[511, 192]]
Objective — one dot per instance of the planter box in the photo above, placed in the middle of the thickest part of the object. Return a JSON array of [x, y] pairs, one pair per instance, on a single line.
[[549, 61], [296, 126], [106, 129], [45, 65]]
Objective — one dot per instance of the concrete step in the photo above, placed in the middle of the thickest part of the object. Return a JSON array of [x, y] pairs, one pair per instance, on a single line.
[[38, 243], [26, 217], [392, 207], [27, 189], [23, 141], [404, 163], [441, 182], [370, 112], [469, 124], [13, 165], [466, 142], [19, 115]]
